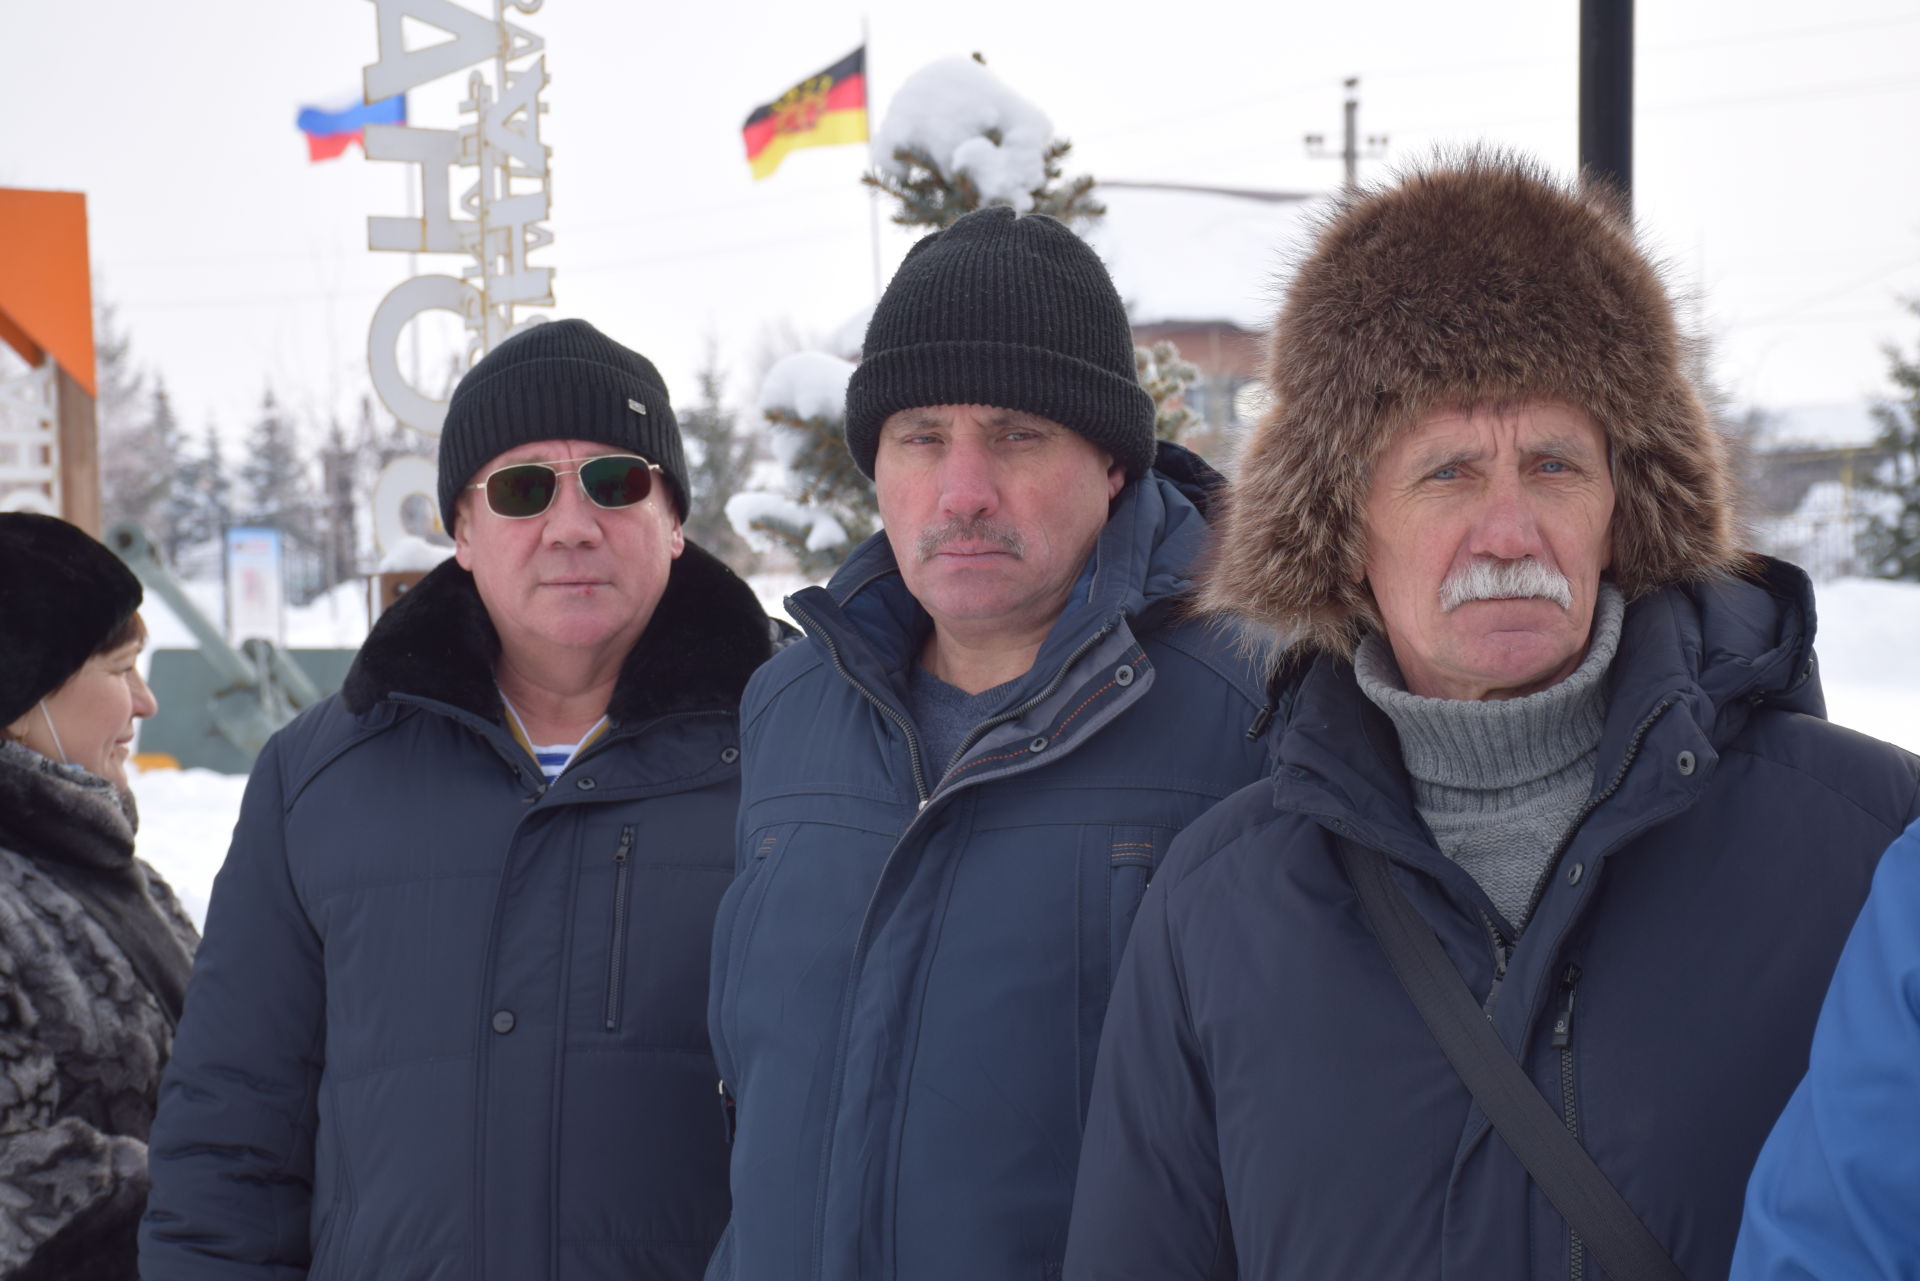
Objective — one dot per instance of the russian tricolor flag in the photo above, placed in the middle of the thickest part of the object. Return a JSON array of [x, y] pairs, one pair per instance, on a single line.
[[328, 132]]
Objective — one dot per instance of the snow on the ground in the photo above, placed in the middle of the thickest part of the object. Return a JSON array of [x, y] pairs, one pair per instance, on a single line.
[[946, 110], [1869, 646], [186, 820]]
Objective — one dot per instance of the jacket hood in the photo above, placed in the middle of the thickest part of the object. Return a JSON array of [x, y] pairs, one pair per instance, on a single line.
[[706, 637]]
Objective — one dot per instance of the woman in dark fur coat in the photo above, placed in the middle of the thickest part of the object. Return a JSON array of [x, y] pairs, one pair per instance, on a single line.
[[94, 949]]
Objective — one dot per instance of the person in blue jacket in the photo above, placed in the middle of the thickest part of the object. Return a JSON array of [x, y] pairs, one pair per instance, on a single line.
[[1537, 687], [956, 786], [1836, 1192], [448, 1017]]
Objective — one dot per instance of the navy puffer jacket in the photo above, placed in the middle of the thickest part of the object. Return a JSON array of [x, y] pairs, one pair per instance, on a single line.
[[911, 970], [449, 1021], [1268, 1098]]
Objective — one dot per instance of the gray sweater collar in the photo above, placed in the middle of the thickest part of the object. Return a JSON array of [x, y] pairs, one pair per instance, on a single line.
[[1499, 744]]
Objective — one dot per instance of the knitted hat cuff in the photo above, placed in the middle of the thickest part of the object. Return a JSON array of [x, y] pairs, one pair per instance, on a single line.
[[1106, 409], [562, 380]]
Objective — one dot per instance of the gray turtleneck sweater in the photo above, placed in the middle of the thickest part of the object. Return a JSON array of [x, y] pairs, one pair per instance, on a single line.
[[1500, 782]]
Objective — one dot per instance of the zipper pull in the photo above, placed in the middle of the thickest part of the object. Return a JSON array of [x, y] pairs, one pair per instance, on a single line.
[[626, 844], [1563, 1025]]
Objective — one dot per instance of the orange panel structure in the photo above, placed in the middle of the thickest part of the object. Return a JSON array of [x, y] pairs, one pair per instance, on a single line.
[[46, 291]]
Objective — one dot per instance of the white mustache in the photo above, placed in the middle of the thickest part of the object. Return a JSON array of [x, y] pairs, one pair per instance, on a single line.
[[1505, 579]]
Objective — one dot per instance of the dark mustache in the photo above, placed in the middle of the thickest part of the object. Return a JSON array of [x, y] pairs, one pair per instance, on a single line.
[[975, 529]]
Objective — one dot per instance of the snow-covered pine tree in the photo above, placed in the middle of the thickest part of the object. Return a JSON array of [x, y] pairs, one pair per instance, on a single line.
[[718, 454], [206, 489], [341, 496], [278, 491], [1891, 541], [170, 516], [135, 472], [956, 139], [1166, 377], [826, 506]]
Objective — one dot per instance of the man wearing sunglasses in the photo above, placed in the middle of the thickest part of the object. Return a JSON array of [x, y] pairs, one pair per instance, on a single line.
[[955, 790], [448, 1020]]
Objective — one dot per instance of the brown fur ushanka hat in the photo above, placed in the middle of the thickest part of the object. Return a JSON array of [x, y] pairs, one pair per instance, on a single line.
[[1479, 280]]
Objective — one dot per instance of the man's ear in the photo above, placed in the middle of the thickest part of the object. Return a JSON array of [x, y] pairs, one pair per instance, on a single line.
[[1116, 478], [462, 549], [677, 541]]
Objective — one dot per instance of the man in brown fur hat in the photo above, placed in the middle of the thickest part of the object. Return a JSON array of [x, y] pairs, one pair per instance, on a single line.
[[1508, 968]]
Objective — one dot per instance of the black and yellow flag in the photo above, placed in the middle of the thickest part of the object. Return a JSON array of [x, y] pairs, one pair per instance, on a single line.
[[823, 110]]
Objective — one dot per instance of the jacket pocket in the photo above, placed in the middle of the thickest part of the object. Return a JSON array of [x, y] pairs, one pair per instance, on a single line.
[[733, 933], [1115, 866], [617, 944], [332, 1231], [1133, 855]]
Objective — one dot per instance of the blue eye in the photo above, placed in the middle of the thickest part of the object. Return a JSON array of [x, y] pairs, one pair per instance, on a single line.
[[1446, 473], [1555, 466]]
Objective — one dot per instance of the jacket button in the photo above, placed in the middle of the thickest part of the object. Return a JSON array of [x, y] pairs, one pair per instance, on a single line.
[[503, 1021], [586, 784], [1574, 874], [1684, 763], [1037, 745], [1123, 675], [728, 755]]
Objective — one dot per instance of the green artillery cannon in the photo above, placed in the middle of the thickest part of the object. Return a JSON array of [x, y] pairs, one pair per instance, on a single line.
[[219, 705]]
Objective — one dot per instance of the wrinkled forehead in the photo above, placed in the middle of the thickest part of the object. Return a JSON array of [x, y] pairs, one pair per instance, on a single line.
[[1524, 427]]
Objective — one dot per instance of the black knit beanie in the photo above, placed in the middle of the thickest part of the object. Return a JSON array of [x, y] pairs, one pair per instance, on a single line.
[[62, 596], [562, 380], [1011, 311]]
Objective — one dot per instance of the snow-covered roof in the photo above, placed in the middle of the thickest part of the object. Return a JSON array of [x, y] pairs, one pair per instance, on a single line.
[[1846, 425], [1179, 255]]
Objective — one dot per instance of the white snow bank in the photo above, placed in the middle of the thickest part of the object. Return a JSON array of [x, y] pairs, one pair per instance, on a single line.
[[947, 108], [186, 822], [1868, 640], [414, 554]]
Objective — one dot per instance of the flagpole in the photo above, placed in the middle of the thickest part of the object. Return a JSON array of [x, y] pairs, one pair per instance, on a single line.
[[873, 193]]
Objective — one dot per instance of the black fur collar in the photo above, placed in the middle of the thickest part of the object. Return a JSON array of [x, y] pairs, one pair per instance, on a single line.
[[706, 637]]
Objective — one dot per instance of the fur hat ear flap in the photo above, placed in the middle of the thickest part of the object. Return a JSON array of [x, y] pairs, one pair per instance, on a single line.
[[1477, 280]]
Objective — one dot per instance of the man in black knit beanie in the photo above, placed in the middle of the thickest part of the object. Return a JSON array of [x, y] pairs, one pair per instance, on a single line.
[[954, 790], [447, 1021]]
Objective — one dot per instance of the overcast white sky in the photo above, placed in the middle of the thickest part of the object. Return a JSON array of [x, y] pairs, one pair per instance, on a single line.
[[1778, 159]]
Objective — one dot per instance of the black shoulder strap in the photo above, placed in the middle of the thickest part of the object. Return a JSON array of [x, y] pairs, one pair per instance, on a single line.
[[1552, 1155]]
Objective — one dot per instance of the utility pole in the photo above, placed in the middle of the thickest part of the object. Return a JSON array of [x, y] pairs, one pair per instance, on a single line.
[[1350, 150], [1606, 91]]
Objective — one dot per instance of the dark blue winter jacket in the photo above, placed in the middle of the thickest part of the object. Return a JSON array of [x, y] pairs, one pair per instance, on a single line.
[[911, 969], [1836, 1192], [449, 1020], [1267, 1090]]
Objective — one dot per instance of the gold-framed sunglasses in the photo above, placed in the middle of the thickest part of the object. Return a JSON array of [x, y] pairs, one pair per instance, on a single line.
[[523, 490]]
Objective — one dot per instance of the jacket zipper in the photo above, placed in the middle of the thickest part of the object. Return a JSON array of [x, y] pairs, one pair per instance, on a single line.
[[987, 726], [616, 961], [812, 624], [1570, 1109], [1502, 952], [1613, 785]]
